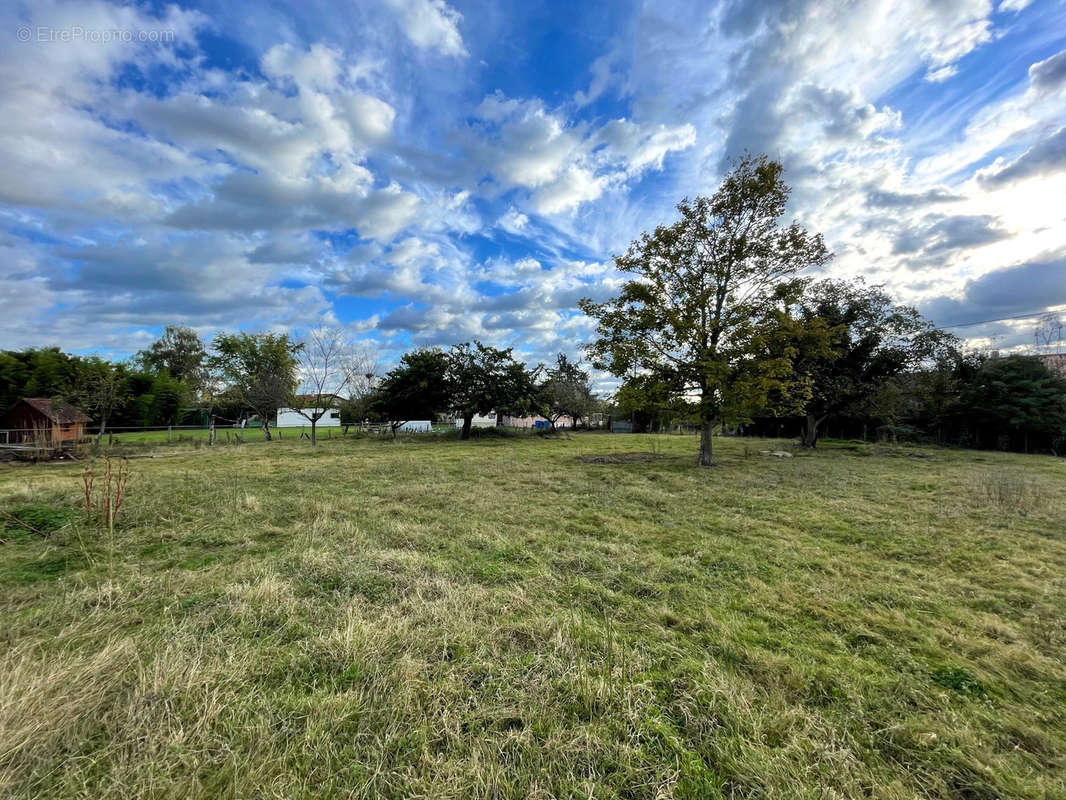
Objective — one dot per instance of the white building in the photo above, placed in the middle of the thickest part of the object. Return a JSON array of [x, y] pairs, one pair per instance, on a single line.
[[291, 418], [479, 421], [417, 426]]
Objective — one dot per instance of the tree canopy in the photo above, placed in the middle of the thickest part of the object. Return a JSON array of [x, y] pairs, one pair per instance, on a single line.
[[707, 296], [258, 370], [483, 379], [179, 353], [417, 388], [871, 340]]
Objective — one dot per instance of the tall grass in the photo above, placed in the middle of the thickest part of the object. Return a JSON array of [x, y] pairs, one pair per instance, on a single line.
[[537, 618]]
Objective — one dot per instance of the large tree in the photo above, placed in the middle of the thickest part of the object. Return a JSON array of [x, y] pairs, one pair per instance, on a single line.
[[258, 370], [872, 340], [707, 295], [179, 353], [483, 379], [417, 388]]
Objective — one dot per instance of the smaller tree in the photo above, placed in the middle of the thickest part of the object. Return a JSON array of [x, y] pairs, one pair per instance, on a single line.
[[258, 371], [417, 388], [100, 391], [566, 392], [326, 359], [648, 403], [483, 379], [362, 389]]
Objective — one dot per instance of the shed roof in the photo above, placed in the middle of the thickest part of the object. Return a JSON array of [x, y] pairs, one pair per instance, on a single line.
[[58, 411]]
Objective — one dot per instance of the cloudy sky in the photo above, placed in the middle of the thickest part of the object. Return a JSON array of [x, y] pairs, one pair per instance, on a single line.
[[427, 172]]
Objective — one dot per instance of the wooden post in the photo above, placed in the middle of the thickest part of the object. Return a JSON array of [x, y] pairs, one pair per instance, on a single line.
[[227, 437], [211, 433], [169, 429]]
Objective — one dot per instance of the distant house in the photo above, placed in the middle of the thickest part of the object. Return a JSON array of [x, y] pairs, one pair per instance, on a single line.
[[292, 418], [537, 422], [505, 421], [416, 426], [479, 421], [38, 418]]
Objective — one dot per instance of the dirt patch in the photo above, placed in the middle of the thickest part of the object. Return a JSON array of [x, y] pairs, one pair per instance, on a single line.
[[621, 458]]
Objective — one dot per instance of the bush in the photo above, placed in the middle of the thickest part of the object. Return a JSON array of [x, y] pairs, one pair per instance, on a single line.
[[1009, 492]]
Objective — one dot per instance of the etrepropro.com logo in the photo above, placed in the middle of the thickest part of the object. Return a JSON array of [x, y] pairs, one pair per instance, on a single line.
[[77, 33]]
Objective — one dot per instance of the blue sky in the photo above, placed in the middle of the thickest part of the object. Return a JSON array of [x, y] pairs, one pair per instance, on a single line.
[[428, 172]]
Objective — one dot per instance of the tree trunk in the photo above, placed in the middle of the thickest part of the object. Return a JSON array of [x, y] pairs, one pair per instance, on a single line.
[[103, 426], [314, 437], [211, 433], [467, 420], [706, 445], [810, 432], [266, 430], [499, 419]]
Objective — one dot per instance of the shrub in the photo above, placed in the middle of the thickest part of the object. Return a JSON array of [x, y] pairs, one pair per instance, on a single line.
[[1008, 491]]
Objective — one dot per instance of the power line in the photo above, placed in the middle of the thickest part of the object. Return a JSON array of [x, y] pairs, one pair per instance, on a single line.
[[997, 319]]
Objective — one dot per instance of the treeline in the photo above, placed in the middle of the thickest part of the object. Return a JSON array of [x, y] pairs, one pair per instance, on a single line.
[[250, 376], [471, 380], [135, 395]]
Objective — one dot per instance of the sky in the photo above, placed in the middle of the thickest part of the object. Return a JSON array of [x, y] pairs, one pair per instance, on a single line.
[[423, 172]]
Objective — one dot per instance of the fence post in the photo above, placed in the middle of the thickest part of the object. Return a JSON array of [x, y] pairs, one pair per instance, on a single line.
[[169, 428], [211, 433]]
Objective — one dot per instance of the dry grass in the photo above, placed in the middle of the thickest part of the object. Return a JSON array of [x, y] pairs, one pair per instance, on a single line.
[[530, 618]]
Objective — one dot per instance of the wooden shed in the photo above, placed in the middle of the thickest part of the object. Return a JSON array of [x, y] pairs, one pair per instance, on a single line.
[[40, 419]]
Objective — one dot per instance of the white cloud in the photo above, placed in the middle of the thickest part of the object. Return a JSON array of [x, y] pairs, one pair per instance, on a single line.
[[524, 144], [431, 25]]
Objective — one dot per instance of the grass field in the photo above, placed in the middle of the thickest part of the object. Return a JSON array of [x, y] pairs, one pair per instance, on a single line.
[[583, 617]]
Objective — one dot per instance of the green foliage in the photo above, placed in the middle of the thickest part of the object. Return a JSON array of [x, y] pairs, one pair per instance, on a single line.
[[178, 353], [871, 342], [703, 311], [959, 680], [45, 372], [258, 370], [416, 389], [483, 379], [36, 518], [565, 392], [1015, 397], [651, 403]]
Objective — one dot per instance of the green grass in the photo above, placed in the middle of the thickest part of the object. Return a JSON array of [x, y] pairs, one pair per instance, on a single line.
[[590, 616]]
